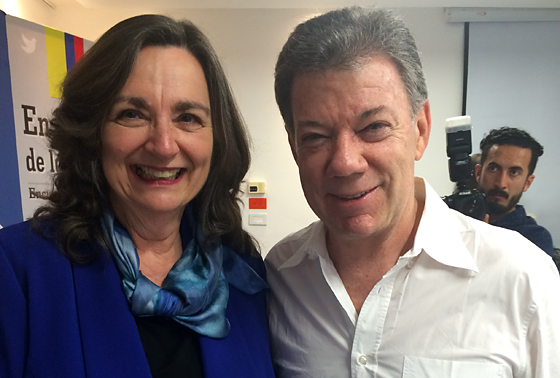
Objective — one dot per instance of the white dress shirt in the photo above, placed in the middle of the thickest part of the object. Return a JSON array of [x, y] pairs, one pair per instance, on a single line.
[[470, 300]]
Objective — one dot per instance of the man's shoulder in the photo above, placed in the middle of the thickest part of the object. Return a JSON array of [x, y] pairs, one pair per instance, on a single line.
[[288, 246], [540, 236], [527, 226], [531, 226], [516, 220], [506, 259], [449, 235], [497, 248]]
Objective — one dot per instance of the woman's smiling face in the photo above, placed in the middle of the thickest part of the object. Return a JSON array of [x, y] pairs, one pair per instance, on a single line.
[[157, 140]]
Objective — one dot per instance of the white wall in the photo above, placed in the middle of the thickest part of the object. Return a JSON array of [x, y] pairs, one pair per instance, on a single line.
[[513, 81], [248, 42], [31, 10]]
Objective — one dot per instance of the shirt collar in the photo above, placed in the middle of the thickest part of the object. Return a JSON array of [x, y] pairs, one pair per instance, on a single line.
[[312, 248], [439, 235]]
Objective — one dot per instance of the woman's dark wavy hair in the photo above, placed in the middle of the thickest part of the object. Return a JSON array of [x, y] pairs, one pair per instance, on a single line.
[[80, 189]]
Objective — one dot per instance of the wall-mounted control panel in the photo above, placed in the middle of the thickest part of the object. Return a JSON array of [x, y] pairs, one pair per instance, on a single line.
[[257, 203], [257, 219], [255, 188]]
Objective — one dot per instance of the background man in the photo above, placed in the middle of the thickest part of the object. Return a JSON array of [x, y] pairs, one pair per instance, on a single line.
[[391, 282], [508, 160]]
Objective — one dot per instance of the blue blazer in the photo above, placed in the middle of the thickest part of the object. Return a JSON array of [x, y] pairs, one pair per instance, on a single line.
[[63, 320]]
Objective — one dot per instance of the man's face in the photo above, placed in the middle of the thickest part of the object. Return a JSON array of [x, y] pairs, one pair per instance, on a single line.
[[355, 145], [504, 176]]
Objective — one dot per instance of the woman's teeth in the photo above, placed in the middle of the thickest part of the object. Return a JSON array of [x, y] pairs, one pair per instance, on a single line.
[[155, 174]]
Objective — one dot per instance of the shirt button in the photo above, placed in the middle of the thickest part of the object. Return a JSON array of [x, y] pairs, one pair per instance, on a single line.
[[362, 360]]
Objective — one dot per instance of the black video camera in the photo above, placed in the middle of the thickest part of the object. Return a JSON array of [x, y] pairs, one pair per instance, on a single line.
[[468, 201]]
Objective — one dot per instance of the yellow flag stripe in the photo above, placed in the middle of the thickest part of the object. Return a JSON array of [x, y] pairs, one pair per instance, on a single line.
[[56, 60]]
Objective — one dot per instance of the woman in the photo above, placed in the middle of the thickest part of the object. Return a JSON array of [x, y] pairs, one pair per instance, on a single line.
[[138, 266]]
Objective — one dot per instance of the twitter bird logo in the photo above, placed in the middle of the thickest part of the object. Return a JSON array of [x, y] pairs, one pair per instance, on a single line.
[[29, 46]]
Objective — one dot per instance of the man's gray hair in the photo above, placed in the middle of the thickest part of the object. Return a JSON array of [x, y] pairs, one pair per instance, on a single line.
[[345, 39]]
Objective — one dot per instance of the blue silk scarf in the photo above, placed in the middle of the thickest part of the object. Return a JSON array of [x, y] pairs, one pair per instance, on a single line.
[[195, 292]]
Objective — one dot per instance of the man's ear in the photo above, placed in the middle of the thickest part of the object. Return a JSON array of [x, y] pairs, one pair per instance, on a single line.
[[423, 127], [528, 182], [478, 171]]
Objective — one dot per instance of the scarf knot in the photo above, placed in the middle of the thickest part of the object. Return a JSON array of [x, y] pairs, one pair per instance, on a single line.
[[195, 292]]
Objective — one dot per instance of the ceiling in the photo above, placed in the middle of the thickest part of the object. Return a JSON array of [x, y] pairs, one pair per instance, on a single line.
[[306, 4]]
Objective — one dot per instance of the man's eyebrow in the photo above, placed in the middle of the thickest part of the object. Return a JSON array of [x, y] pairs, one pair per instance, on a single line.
[[364, 115], [307, 123], [371, 112], [188, 105]]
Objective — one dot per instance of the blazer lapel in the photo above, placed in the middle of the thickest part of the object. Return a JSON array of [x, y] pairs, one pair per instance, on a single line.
[[244, 353], [110, 341]]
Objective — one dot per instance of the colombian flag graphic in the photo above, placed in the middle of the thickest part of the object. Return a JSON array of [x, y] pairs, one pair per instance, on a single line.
[[34, 61], [63, 51]]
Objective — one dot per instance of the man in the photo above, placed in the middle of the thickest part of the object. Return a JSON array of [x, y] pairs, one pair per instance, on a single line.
[[391, 282], [509, 157]]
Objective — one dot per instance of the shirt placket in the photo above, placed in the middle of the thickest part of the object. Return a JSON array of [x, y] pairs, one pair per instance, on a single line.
[[369, 327]]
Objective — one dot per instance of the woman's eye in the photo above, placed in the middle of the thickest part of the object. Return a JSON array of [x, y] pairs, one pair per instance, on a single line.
[[189, 121], [128, 113], [130, 118], [188, 118]]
